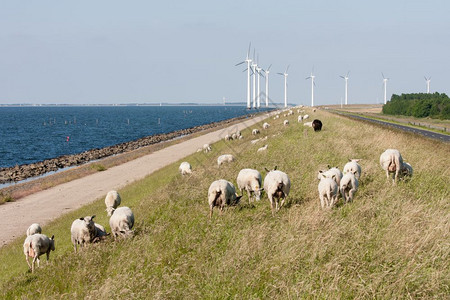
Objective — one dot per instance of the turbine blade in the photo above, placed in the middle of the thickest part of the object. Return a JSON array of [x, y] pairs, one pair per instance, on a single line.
[[269, 67], [245, 70], [239, 63], [248, 52], [342, 77], [382, 75], [287, 68], [308, 77], [280, 73], [348, 73], [425, 78]]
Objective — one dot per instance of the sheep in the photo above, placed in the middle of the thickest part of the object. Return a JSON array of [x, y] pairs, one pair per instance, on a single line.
[[112, 200], [266, 125], [349, 186], [255, 141], [251, 181], [309, 124], [100, 233], [185, 168], [227, 137], [264, 148], [286, 122], [305, 117], [290, 112], [407, 170], [276, 117], [299, 119], [314, 110], [233, 136], [33, 229], [207, 148], [121, 222], [392, 162], [277, 185], [255, 131], [224, 158], [330, 173], [35, 245], [317, 125], [82, 231], [328, 190], [353, 167], [220, 193]]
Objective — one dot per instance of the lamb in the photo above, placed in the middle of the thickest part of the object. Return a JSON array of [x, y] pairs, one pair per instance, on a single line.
[[207, 148], [83, 231], [266, 125], [227, 137], [309, 124], [330, 173], [305, 117], [33, 229], [277, 185], [112, 200], [392, 162], [255, 131], [220, 193], [349, 186], [251, 181], [35, 245], [100, 233], [353, 167], [317, 125], [225, 158], [328, 191], [264, 148], [234, 136], [121, 222], [185, 168], [286, 122], [299, 119]]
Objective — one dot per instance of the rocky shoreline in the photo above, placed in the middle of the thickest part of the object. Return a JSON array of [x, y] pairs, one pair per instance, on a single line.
[[22, 172]]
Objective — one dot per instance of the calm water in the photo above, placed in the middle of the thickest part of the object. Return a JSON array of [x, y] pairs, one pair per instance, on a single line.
[[31, 134]]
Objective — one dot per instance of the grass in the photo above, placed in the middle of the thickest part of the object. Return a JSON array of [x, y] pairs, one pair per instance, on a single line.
[[5, 198], [98, 167], [391, 242]]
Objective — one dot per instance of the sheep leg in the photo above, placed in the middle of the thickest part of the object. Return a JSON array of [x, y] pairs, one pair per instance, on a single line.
[[249, 195], [282, 202], [272, 204], [387, 173], [322, 201], [28, 262], [210, 211]]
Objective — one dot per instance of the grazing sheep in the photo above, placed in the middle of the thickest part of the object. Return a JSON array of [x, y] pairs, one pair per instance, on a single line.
[[328, 191], [299, 119], [392, 162], [352, 166], [251, 181], [305, 117], [266, 125], [35, 245], [314, 110], [112, 200], [407, 170], [277, 186], [225, 158], [317, 125], [121, 222], [264, 148], [255, 131], [227, 137], [286, 122], [234, 136], [199, 150], [185, 168], [220, 193], [309, 124], [33, 229], [82, 231], [100, 233], [276, 117], [349, 186], [255, 141], [330, 173], [290, 112], [207, 148]]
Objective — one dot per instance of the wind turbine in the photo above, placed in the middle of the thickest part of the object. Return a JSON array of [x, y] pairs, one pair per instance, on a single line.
[[248, 61], [254, 65], [312, 86], [267, 85], [346, 87], [385, 80], [285, 74], [428, 84], [258, 73]]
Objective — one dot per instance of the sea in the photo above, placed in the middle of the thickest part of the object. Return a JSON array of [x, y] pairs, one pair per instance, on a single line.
[[30, 134]]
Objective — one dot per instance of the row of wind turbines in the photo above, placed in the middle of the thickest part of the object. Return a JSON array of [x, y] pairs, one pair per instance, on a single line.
[[253, 69]]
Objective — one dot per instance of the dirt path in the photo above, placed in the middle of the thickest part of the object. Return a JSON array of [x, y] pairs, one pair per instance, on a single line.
[[44, 206]]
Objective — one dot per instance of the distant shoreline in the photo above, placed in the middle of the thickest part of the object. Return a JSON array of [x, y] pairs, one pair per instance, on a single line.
[[273, 105]]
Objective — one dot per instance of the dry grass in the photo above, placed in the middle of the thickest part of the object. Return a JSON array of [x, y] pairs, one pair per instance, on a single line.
[[391, 242]]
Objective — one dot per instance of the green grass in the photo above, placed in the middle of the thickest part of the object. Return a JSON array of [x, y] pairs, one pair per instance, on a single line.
[[391, 242], [98, 167]]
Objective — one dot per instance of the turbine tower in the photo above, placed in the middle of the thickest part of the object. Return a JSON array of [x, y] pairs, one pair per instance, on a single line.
[[267, 85], [258, 73], [385, 80], [254, 65], [428, 84], [285, 74], [248, 61], [346, 87], [312, 87]]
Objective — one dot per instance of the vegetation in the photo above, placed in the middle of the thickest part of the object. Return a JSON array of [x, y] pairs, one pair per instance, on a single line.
[[419, 105], [391, 242], [98, 167], [5, 198]]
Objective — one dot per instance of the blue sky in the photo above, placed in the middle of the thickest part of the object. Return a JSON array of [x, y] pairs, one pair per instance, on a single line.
[[184, 51]]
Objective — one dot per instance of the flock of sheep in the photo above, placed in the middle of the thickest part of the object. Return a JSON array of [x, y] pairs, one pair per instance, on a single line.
[[221, 193]]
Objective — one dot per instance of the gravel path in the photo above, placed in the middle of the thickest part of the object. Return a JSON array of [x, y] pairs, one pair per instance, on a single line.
[[44, 206]]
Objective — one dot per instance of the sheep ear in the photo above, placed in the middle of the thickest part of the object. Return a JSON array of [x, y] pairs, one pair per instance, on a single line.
[[261, 189], [82, 219], [333, 176], [93, 217], [266, 170], [328, 166], [320, 171], [323, 175], [275, 168], [349, 159], [354, 172], [53, 237]]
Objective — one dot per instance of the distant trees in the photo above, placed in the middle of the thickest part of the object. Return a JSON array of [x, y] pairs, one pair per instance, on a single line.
[[419, 105]]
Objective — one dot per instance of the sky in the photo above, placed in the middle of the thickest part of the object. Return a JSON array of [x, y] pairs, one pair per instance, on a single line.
[[109, 51]]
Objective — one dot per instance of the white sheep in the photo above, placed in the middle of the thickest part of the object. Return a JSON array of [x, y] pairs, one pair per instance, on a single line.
[[309, 124], [35, 245], [121, 222], [255, 141], [82, 231], [290, 112], [251, 181], [112, 200], [277, 186], [353, 167], [207, 148], [225, 158], [349, 186], [234, 136], [221, 193], [266, 125], [100, 233], [305, 117], [299, 119], [227, 137], [328, 191], [264, 148], [392, 162], [255, 131], [330, 173], [185, 168], [286, 122], [33, 229]]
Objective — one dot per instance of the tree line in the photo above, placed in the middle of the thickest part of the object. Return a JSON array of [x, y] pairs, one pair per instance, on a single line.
[[419, 105]]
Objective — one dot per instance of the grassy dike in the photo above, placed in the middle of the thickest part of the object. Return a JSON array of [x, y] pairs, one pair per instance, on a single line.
[[391, 242]]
